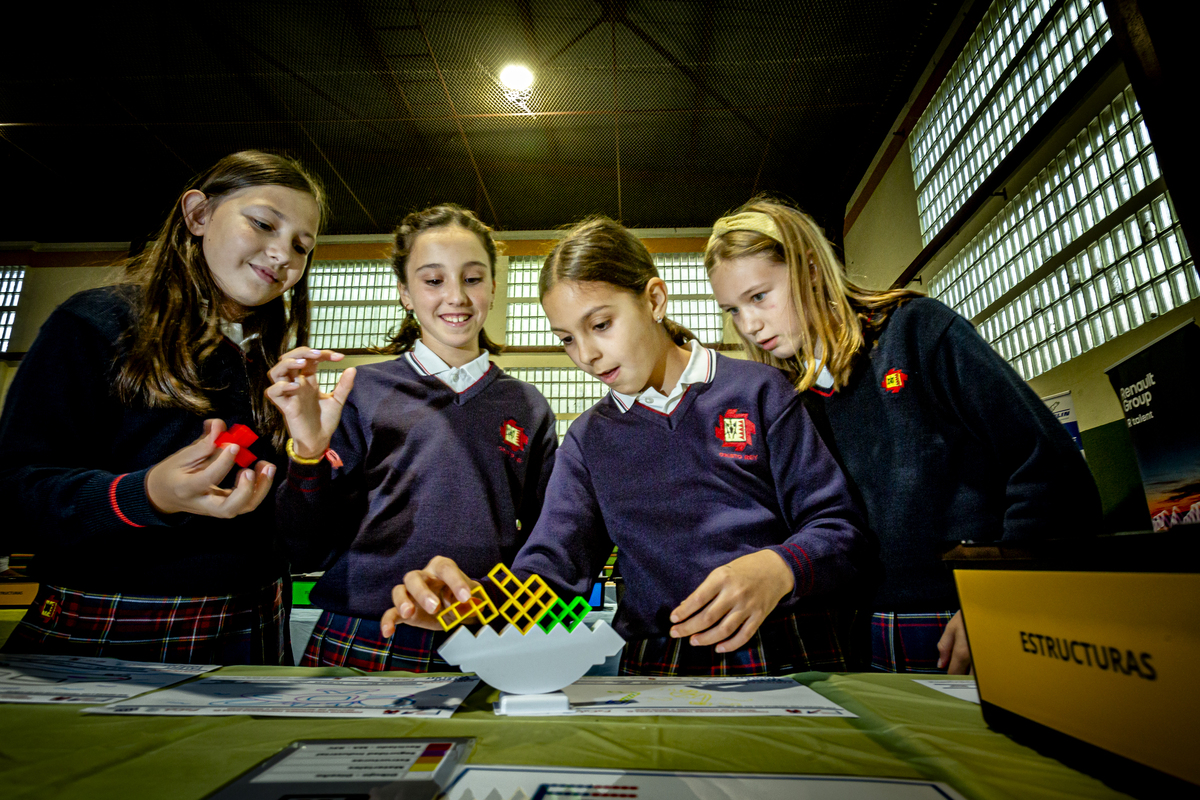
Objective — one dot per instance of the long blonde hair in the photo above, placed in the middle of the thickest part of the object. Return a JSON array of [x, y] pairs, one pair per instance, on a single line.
[[836, 316]]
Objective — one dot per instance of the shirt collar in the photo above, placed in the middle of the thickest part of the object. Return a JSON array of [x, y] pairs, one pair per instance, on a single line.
[[701, 367], [427, 362]]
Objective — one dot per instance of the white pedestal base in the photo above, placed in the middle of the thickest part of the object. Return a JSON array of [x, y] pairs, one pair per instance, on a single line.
[[532, 705]]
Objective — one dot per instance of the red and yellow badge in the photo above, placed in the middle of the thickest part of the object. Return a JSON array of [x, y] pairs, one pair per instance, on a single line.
[[514, 435], [894, 380], [735, 430], [50, 609]]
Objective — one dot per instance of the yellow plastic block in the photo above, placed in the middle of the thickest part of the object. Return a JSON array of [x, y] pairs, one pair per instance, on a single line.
[[479, 604], [527, 602]]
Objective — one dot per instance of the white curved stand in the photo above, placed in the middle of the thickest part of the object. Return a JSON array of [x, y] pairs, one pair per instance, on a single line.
[[533, 663]]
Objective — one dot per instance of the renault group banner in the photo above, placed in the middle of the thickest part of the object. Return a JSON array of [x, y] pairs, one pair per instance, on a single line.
[[1063, 409], [1159, 388]]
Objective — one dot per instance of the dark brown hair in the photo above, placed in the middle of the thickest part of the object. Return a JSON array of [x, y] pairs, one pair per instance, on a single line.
[[413, 226], [601, 250], [836, 316], [179, 308]]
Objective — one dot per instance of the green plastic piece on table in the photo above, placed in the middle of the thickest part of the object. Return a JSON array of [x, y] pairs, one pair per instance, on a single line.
[[569, 616], [300, 592]]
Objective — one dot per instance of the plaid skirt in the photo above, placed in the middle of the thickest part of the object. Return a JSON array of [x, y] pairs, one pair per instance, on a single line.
[[907, 642], [225, 629], [799, 642], [342, 641]]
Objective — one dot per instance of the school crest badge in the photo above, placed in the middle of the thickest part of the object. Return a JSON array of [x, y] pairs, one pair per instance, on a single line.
[[894, 380], [735, 430], [514, 435]]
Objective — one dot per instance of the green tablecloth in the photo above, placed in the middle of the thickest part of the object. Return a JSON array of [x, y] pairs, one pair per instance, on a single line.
[[903, 730]]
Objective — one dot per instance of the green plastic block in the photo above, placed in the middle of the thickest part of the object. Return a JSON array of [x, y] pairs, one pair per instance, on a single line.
[[569, 616]]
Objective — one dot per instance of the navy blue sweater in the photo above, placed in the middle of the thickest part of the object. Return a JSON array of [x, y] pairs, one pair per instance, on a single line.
[[425, 472], [683, 494], [954, 447], [74, 458]]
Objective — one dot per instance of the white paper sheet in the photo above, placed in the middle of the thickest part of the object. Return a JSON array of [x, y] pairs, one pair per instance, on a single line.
[[475, 782], [76, 679], [356, 696], [699, 697], [340, 762], [960, 688]]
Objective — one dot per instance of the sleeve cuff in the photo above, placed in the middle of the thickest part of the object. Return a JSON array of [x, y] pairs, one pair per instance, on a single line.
[[129, 503], [801, 565]]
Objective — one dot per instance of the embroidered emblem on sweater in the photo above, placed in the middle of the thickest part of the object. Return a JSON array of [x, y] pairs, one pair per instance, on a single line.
[[894, 380], [514, 435], [50, 610], [735, 430]]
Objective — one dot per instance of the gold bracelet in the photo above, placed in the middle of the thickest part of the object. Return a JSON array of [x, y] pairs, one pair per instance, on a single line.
[[291, 453]]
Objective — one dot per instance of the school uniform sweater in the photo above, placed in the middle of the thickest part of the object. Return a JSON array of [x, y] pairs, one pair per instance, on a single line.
[[426, 471], [74, 459], [736, 467], [946, 443]]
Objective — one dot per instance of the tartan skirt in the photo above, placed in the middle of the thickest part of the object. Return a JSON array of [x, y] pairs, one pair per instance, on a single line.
[[907, 642], [343, 641], [799, 642], [224, 629]]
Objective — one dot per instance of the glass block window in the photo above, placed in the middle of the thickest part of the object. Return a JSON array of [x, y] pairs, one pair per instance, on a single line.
[[1140, 269], [1106, 165], [12, 279], [1137, 267], [328, 378], [994, 93], [352, 304], [691, 301], [569, 391]]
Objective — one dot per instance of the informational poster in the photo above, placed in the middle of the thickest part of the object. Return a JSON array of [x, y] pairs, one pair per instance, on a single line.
[[1063, 409], [295, 696], [486, 782], [703, 697], [80, 680], [1159, 387]]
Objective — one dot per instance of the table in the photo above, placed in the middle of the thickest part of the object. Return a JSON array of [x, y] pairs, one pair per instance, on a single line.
[[904, 730]]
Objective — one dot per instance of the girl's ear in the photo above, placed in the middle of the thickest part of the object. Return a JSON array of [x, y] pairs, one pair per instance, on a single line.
[[656, 294], [405, 298], [195, 211]]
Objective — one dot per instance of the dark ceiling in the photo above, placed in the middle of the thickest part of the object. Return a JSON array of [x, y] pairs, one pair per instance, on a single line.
[[662, 114]]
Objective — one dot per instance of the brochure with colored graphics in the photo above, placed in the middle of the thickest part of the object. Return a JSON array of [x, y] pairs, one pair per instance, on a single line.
[[288, 696], [28, 678]]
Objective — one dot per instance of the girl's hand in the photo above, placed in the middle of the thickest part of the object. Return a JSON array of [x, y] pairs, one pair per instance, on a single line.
[[311, 415], [954, 651], [188, 479], [418, 600], [727, 608]]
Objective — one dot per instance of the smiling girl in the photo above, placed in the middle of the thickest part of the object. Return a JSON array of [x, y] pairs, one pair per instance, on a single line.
[[148, 544], [942, 439], [737, 538], [437, 450]]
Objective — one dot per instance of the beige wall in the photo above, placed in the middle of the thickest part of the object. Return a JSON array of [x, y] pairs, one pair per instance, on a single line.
[[886, 237]]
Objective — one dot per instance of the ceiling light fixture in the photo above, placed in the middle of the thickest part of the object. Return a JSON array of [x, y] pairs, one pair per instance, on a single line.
[[516, 81]]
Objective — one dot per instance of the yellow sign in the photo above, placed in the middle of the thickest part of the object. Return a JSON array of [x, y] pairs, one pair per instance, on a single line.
[[1109, 658]]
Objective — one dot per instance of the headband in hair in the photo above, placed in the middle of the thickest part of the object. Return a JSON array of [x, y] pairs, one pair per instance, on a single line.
[[746, 221]]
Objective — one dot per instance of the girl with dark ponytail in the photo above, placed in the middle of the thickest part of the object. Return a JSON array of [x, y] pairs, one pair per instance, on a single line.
[[437, 450]]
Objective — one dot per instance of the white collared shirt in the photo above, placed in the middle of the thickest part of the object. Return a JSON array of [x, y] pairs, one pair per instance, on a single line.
[[427, 362], [824, 379], [701, 368], [233, 332]]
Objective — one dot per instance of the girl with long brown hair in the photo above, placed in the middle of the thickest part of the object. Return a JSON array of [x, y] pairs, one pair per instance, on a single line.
[[437, 450], [148, 543], [737, 538], [942, 440]]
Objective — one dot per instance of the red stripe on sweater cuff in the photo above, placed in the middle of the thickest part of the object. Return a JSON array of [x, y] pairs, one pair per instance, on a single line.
[[112, 499]]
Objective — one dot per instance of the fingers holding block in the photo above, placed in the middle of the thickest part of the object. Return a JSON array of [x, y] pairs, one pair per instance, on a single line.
[[479, 605]]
